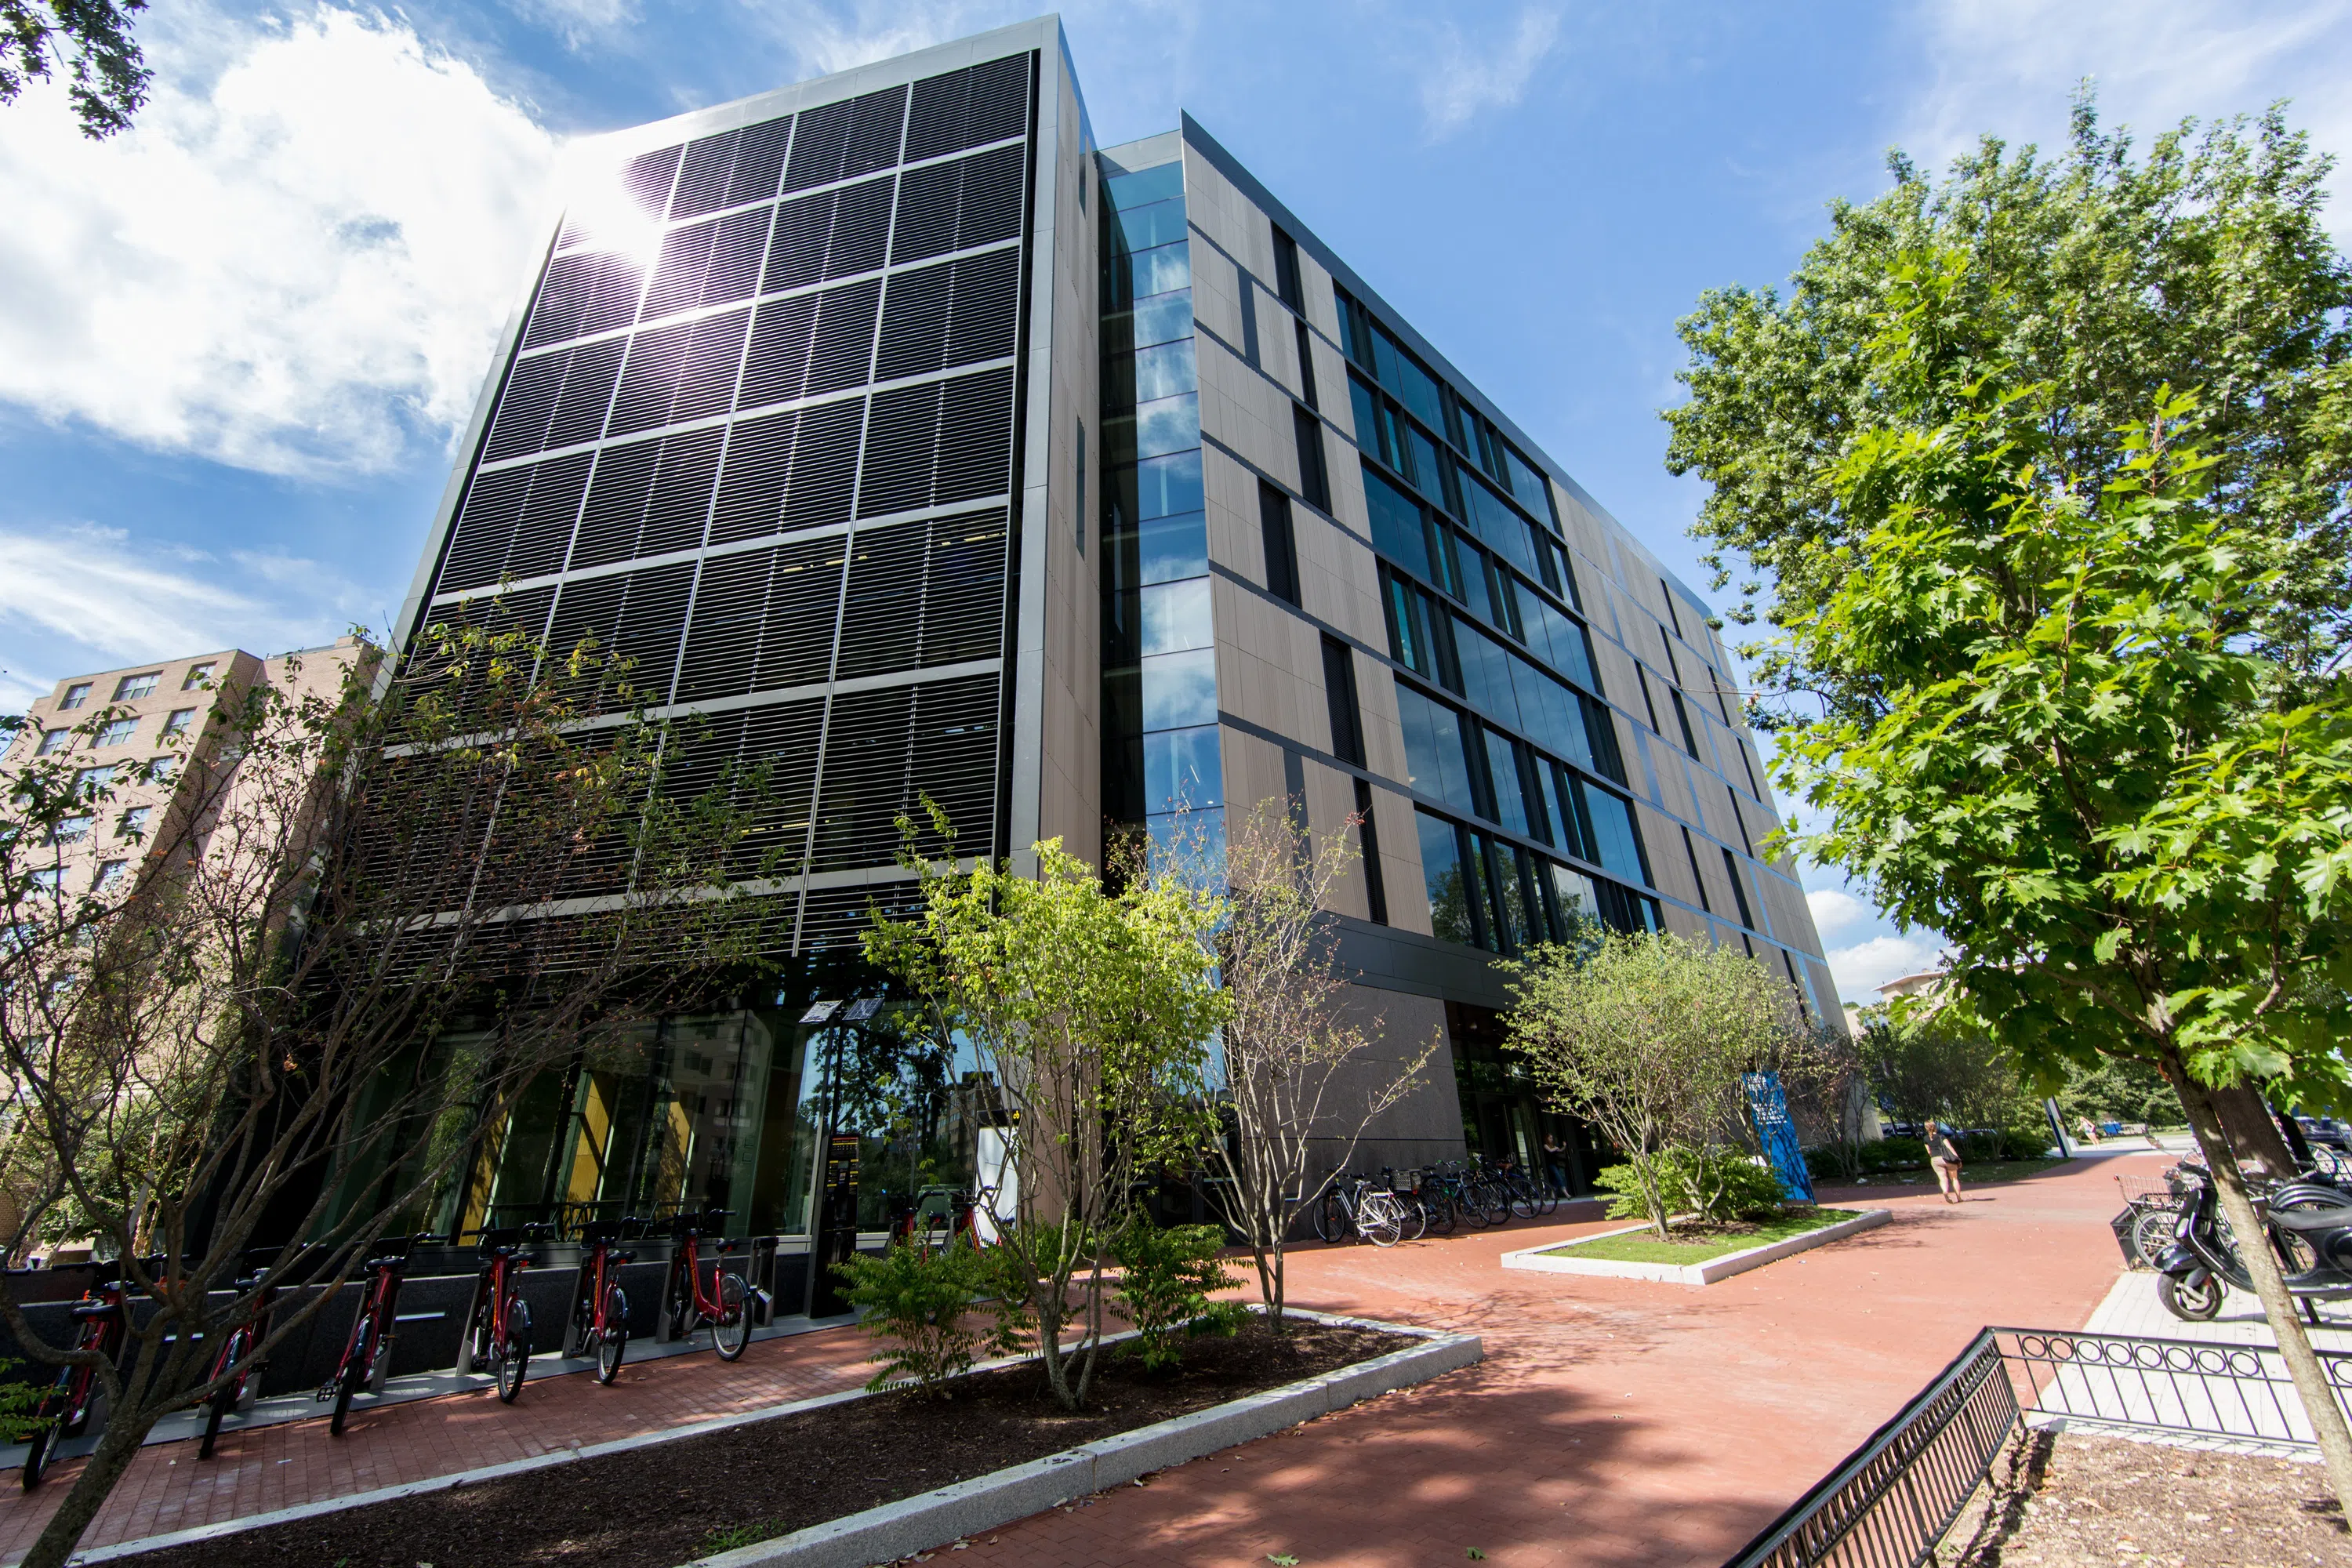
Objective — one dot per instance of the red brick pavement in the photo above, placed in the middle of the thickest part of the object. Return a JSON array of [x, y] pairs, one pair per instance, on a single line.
[[277, 1467], [1614, 1423]]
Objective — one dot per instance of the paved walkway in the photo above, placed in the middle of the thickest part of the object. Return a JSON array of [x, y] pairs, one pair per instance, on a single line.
[[260, 1469], [1615, 1422]]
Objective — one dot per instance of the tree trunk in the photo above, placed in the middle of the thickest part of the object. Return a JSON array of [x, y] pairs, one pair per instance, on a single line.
[[117, 1445], [2319, 1400], [2253, 1134]]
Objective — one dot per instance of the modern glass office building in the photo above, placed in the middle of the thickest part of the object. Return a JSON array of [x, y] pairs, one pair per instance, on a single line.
[[913, 444]]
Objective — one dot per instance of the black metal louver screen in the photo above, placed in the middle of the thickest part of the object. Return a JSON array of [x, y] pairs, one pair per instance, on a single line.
[[938, 442], [754, 420], [957, 313], [885, 750]]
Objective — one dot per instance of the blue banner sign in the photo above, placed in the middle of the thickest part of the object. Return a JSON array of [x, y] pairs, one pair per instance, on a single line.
[[1767, 1108]]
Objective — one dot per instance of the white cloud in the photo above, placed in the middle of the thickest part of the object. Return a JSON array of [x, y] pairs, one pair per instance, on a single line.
[[2007, 66], [828, 38], [1837, 911], [298, 259], [1463, 78], [90, 592], [1860, 970], [582, 22]]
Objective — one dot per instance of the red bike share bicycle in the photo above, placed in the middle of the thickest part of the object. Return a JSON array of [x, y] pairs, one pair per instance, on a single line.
[[367, 1353], [103, 1324], [599, 1310], [726, 1307], [499, 1337], [238, 1388]]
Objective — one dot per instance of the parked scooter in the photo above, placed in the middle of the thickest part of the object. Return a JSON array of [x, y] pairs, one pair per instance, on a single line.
[[2308, 1224]]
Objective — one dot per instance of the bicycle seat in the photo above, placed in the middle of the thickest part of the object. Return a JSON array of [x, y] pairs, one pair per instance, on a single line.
[[95, 1308], [2313, 1219], [615, 1255], [733, 1242], [604, 1230]]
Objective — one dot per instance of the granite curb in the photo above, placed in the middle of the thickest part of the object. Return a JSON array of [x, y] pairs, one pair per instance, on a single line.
[[1536, 1260]]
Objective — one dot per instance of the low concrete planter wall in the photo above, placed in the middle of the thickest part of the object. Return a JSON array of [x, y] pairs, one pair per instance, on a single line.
[[1708, 1273], [917, 1523], [985, 1502]]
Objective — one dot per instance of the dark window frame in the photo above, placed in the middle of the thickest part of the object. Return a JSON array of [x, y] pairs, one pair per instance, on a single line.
[[1280, 541]]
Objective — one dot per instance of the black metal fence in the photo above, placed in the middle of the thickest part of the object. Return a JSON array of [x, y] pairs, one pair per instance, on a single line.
[[1892, 1498]]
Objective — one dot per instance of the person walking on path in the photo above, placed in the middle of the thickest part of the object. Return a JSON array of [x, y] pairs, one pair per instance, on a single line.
[[1944, 1159]]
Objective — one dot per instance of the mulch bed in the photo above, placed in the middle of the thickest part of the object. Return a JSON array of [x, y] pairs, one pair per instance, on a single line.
[[659, 1507], [2068, 1501]]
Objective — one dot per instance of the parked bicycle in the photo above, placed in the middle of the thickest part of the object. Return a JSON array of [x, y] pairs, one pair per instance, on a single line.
[[1528, 1198], [499, 1337], [1428, 1196], [367, 1352], [1415, 1217], [102, 1325], [726, 1306], [1446, 1182], [237, 1374], [600, 1308], [1354, 1206]]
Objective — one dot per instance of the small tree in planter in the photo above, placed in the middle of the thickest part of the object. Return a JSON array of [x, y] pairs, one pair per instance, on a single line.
[[1646, 1037], [1299, 1075], [1090, 1012]]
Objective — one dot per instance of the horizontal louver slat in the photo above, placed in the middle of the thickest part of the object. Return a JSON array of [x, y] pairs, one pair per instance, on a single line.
[[924, 594], [583, 294], [790, 470], [841, 141], [885, 750], [514, 523], [986, 103], [949, 315], [944, 441], [955, 206]]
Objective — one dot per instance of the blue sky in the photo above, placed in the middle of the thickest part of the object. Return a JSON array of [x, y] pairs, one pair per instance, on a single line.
[[236, 343]]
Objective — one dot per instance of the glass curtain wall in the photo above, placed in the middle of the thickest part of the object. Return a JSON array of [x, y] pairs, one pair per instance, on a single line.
[[1483, 606], [1161, 773]]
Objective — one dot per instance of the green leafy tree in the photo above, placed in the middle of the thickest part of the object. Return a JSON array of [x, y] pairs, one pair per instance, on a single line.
[[1923, 1064], [2207, 263], [106, 78], [2077, 762], [1089, 1011], [1168, 1277], [1646, 1037]]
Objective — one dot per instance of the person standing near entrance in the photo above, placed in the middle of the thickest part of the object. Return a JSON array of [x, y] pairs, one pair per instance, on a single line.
[[1555, 1165], [1944, 1159]]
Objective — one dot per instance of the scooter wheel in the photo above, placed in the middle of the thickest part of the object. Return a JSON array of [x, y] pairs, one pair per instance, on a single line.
[[2191, 1303]]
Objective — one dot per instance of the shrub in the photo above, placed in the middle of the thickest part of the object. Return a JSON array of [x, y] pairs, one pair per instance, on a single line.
[[921, 1299], [1168, 1277], [1716, 1184]]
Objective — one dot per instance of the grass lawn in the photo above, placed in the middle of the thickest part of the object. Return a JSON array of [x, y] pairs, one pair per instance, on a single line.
[[1974, 1174], [1641, 1247]]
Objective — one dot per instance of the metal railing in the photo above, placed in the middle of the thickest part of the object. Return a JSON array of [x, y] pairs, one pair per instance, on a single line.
[[1892, 1498], [2237, 1394]]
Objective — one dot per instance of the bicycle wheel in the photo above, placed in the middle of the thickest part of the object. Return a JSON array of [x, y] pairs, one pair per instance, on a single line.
[[614, 1341], [1380, 1219], [352, 1373], [36, 1454], [1466, 1207], [224, 1399], [2151, 1233], [512, 1359], [732, 1330], [1415, 1217], [1331, 1222], [1439, 1208], [1523, 1199]]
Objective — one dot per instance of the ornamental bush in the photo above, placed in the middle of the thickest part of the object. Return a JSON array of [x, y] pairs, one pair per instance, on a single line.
[[1168, 1279], [920, 1299], [1715, 1183]]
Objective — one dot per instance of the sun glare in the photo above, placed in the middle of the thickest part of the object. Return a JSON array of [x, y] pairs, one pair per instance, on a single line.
[[603, 210]]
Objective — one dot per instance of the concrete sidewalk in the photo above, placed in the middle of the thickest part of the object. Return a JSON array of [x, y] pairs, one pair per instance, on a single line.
[[1614, 1422]]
